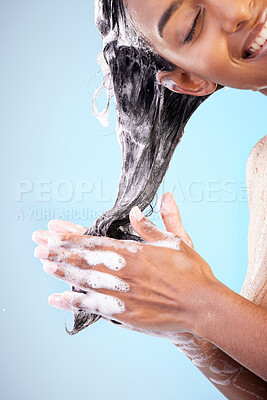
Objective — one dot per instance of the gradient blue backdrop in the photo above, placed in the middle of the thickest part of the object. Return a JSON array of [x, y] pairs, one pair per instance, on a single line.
[[51, 146]]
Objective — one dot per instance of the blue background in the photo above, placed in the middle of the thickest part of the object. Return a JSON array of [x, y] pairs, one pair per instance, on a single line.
[[49, 136]]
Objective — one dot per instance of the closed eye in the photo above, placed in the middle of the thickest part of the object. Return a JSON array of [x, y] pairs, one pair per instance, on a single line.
[[191, 34]]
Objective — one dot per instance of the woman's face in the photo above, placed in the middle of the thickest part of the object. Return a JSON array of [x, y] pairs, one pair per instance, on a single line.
[[221, 41]]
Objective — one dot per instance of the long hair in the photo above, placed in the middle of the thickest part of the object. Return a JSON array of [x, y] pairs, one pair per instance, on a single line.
[[150, 122]]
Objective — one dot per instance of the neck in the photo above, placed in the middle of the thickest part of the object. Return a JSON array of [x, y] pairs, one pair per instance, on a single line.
[[263, 91]]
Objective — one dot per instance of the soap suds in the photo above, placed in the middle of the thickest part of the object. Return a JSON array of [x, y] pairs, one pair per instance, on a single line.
[[131, 246], [109, 259], [222, 366], [85, 278], [170, 243], [96, 303], [112, 261]]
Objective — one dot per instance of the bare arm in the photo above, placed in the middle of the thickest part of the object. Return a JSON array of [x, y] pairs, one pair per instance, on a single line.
[[248, 346], [237, 326], [233, 380]]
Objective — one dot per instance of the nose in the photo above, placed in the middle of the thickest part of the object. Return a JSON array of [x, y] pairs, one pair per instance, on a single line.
[[232, 14]]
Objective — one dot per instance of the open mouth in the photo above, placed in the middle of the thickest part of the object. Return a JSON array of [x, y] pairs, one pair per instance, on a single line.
[[257, 40]]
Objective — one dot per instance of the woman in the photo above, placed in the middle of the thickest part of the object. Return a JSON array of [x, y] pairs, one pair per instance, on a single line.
[[162, 59]]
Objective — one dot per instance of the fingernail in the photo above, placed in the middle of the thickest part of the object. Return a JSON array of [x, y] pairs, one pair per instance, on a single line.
[[136, 213], [50, 267], [54, 299], [58, 225], [165, 201], [159, 203], [41, 252], [40, 236]]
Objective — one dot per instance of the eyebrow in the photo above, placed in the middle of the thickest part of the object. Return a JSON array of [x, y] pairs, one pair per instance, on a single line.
[[168, 14]]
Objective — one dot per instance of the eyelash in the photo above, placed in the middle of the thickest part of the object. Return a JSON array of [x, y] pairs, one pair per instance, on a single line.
[[192, 32]]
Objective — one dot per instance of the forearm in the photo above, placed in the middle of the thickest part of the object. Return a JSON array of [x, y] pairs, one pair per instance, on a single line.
[[233, 380], [236, 326]]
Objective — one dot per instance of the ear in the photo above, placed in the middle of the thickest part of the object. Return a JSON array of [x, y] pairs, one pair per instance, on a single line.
[[183, 82]]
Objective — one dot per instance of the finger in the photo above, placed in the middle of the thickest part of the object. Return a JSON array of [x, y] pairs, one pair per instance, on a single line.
[[56, 301], [95, 303], [171, 218], [61, 226], [40, 237], [85, 279], [145, 228], [82, 258], [92, 243]]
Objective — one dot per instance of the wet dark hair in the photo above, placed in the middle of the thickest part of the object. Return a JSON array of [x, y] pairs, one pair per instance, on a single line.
[[150, 123]]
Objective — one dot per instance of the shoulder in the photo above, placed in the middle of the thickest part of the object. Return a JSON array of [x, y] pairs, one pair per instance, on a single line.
[[257, 162], [255, 288]]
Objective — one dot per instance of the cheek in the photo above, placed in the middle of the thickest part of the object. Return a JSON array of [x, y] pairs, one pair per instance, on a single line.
[[210, 61]]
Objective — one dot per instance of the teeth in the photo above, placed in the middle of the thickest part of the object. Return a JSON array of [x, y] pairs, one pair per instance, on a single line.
[[255, 46], [259, 41], [264, 33]]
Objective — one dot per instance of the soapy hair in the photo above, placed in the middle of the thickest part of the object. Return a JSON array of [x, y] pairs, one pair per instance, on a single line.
[[150, 122]]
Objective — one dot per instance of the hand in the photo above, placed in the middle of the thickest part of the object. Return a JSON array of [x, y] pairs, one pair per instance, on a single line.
[[160, 286]]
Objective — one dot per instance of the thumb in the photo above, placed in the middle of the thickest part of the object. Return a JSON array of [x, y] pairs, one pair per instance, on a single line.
[[145, 228], [171, 219]]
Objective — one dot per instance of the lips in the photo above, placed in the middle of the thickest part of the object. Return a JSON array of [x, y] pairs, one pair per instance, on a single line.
[[257, 38]]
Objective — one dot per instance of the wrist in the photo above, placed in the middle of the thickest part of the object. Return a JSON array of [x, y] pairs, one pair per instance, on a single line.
[[208, 307], [221, 308], [236, 326]]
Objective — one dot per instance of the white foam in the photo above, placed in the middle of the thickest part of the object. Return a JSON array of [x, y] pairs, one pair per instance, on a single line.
[[170, 243], [131, 246], [97, 303], [85, 278], [223, 367], [111, 260], [221, 381]]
